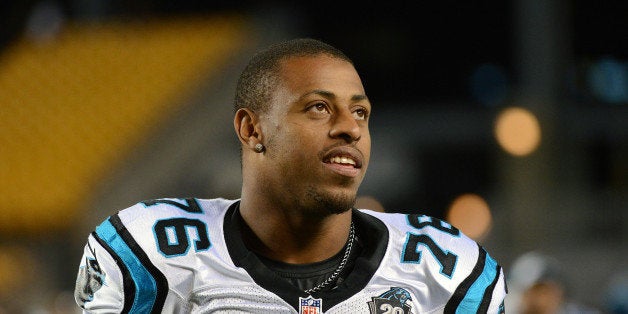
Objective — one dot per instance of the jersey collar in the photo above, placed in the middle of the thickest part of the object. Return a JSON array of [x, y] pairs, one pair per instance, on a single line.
[[373, 234]]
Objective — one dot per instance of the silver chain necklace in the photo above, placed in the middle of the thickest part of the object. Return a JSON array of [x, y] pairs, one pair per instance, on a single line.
[[340, 267]]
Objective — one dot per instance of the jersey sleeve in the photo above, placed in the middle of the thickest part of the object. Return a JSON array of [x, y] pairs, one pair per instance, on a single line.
[[476, 281], [483, 290], [499, 295], [99, 283], [116, 275], [137, 260]]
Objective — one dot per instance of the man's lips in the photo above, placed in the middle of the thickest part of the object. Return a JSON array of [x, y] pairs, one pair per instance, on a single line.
[[344, 155], [346, 161]]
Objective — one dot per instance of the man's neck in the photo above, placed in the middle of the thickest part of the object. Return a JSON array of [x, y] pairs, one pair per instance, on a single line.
[[291, 237]]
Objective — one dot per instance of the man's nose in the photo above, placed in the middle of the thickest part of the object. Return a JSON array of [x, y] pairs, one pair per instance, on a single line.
[[346, 127]]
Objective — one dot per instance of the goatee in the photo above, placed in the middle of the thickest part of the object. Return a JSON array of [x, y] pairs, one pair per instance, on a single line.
[[331, 203]]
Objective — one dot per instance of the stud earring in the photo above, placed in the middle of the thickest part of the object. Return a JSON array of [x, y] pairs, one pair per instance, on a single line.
[[259, 147]]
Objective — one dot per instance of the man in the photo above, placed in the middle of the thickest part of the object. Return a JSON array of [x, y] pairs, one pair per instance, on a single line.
[[292, 243]]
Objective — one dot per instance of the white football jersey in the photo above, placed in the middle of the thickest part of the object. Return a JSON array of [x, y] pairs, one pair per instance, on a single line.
[[186, 256]]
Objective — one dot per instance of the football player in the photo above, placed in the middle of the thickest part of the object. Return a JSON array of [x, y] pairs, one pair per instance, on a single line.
[[293, 242]]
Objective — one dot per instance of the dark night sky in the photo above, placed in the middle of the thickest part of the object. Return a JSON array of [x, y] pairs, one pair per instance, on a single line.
[[422, 51]]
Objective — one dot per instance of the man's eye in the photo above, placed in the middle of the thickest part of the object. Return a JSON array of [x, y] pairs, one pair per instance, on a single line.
[[319, 107], [360, 114]]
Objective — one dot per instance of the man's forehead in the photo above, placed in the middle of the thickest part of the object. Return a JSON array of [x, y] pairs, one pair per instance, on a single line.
[[311, 60], [321, 72]]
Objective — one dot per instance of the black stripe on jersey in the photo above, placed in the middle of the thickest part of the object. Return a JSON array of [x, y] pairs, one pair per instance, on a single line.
[[127, 280], [160, 279], [464, 286], [488, 294]]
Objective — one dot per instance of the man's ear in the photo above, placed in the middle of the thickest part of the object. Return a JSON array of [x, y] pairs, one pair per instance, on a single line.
[[247, 127]]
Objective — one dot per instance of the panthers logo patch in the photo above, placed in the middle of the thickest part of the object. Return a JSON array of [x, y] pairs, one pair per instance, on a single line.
[[90, 278], [393, 301]]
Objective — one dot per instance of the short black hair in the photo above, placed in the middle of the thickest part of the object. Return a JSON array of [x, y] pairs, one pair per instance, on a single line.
[[259, 77]]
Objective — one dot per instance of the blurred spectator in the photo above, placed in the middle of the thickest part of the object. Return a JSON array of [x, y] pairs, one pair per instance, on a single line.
[[616, 297], [537, 286]]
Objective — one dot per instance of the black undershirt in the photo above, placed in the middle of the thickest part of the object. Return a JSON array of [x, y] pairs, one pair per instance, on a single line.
[[307, 276], [372, 236]]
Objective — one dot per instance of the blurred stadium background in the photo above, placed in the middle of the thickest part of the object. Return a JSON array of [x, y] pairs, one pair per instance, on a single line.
[[508, 118]]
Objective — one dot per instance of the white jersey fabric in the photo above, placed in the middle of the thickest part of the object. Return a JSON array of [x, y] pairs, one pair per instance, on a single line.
[[186, 256]]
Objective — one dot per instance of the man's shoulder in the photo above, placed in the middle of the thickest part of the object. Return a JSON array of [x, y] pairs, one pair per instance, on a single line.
[[176, 214], [169, 225], [427, 251], [417, 224], [414, 234], [165, 208]]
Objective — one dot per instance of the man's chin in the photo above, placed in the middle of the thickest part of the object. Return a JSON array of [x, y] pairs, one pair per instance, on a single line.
[[333, 202], [339, 209]]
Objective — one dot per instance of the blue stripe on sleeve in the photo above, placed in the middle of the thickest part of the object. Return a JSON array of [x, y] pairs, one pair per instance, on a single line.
[[472, 300], [145, 285]]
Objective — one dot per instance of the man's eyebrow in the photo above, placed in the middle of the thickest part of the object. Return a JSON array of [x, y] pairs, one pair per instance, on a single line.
[[328, 94], [359, 97], [320, 92]]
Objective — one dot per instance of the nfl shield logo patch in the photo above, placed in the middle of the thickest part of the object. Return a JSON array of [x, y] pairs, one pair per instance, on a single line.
[[310, 305]]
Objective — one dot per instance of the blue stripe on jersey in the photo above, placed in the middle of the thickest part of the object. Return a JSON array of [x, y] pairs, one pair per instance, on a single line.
[[145, 284], [472, 300]]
